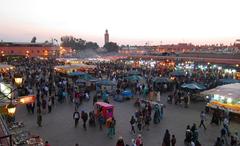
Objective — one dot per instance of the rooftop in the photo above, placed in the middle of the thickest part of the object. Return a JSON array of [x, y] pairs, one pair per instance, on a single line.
[[25, 44]]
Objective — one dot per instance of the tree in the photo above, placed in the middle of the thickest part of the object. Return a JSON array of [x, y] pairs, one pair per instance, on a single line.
[[33, 40], [111, 47], [77, 43], [91, 45]]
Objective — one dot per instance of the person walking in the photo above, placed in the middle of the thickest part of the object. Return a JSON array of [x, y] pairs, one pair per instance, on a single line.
[[76, 117], [203, 119], [224, 135], [108, 125], [139, 141], [218, 142], [133, 142], [173, 140], [47, 144], [32, 107], [100, 120], [84, 117], [44, 105], [166, 139], [133, 122], [147, 121], [112, 126], [39, 118], [139, 124], [188, 136], [49, 105], [226, 125], [120, 142]]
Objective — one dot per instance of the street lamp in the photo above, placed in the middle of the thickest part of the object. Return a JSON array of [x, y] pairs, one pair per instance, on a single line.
[[18, 80], [11, 108]]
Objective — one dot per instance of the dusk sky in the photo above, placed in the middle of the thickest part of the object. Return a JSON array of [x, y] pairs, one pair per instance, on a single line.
[[128, 21]]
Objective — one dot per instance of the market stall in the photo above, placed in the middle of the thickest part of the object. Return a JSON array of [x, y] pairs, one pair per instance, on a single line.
[[106, 86], [162, 84], [66, 69], [135, 78], [226, 97]]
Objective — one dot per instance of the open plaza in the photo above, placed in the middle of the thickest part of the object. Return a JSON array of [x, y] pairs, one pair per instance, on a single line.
[[119, 100]]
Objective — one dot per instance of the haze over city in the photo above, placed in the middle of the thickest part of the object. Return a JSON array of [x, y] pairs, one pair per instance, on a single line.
[[129, 22]]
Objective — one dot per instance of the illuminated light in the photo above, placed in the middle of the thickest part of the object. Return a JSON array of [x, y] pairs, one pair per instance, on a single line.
[[11, 109], [208, 63], [229, 100], [222, 97], [216, 97], [27, 99], [219, 68], [237, 65], [2, 52], [27, 52], [18, 80]]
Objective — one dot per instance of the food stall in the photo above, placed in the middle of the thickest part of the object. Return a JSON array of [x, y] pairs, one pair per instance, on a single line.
[[66, 69], [226, 97]]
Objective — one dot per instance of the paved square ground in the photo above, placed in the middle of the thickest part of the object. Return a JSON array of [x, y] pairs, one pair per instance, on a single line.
[[58, 126]]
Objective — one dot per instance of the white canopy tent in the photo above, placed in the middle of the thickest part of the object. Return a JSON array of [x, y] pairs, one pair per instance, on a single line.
[[229, 90]]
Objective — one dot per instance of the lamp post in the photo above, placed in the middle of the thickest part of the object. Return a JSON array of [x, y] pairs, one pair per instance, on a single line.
[[11, 109], [18, 80]]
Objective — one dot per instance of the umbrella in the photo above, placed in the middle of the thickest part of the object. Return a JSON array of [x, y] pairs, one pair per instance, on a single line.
[[106, 83], [229, 81], [161, 80], [87, 77], [75, 74], [134, 72], [178, 73], [134, 78], [193, 86]]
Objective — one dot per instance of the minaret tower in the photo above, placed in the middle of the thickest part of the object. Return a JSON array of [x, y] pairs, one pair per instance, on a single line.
[[106, 37]]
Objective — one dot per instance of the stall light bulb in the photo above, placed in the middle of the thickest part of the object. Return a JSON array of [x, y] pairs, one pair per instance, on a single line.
[[229, 100]]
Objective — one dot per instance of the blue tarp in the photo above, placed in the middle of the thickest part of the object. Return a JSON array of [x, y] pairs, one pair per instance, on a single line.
[[193, 86], [127, 93]]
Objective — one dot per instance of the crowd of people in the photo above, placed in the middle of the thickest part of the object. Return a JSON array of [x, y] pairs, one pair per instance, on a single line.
[[50, 87]]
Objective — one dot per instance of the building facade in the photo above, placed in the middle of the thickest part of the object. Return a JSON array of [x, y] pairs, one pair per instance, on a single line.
[[32, 49]]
